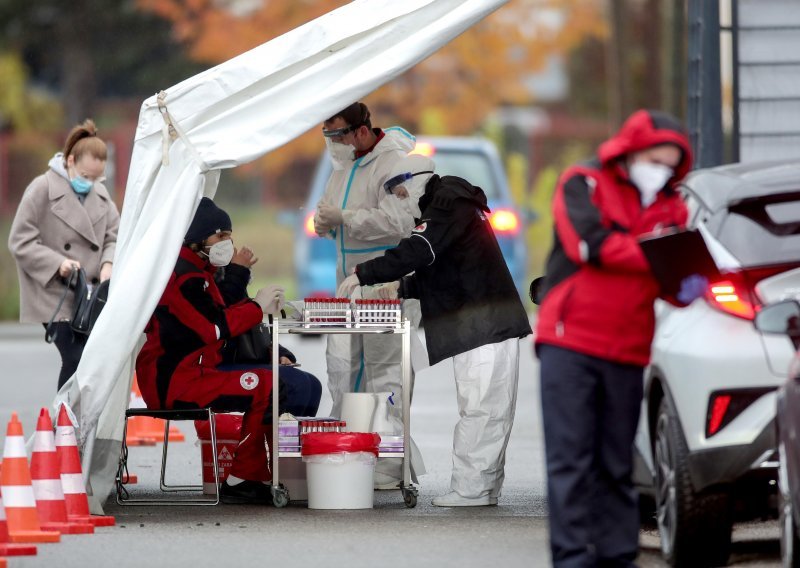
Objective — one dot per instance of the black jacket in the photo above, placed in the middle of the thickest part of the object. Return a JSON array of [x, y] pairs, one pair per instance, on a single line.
[[466, 293]]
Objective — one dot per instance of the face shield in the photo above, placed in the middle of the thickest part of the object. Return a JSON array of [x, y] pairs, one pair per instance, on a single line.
[[407, 181]]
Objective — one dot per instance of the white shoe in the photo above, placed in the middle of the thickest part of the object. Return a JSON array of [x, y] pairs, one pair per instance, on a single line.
[[453, 499]]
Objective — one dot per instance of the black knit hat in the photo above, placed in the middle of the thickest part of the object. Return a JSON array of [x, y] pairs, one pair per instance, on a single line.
[[208, 220]]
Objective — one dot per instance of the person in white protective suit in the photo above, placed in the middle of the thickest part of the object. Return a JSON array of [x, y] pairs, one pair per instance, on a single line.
[[472, 313], [365, 221]]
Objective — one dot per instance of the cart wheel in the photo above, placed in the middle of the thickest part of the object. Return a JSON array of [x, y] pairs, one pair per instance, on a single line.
[[410, 498], [280, 497]]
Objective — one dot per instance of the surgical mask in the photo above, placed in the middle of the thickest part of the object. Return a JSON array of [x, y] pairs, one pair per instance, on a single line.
[[81, 185], [649, 178], [221, 253], [340, 153]]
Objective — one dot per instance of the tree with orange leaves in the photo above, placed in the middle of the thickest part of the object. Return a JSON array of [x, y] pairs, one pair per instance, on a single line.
[[451, 92]]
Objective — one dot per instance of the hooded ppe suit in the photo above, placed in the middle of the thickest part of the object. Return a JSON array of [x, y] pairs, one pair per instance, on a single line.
[[476, 320], [372, 224]]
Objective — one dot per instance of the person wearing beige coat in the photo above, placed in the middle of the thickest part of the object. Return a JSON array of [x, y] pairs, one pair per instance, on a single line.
[[66, 219]]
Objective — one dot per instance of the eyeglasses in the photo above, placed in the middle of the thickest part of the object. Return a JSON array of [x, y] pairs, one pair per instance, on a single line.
[[338, 132]]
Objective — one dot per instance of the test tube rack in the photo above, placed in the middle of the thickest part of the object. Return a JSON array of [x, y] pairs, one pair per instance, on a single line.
[[377, 313], [327, 312], [361, 313]]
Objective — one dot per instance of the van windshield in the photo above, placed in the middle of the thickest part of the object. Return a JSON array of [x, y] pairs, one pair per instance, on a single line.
[[472, 166]]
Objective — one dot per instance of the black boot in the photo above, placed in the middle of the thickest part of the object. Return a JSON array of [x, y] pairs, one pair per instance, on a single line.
[[246, 493]]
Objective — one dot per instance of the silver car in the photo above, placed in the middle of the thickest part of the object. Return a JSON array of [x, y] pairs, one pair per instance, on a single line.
[[705, 449]]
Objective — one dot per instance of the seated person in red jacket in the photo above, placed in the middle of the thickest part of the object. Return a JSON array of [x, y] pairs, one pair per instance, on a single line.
[[180, 365]]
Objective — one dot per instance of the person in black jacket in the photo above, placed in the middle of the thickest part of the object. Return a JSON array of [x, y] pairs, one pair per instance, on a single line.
[[471, 311]]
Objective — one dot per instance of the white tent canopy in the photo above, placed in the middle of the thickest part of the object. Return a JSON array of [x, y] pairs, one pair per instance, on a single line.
[[221, 118]]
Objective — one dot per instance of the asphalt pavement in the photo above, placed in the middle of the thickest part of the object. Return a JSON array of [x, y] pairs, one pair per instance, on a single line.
[[512, 534]]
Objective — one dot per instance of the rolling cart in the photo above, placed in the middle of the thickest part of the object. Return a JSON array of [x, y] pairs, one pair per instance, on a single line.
[[340, 316]]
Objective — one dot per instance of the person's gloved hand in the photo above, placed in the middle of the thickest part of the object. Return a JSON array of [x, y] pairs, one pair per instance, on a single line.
[[347, 286], [330, 215], [319, 227], [387, 291], [271, 299], [692, 287]]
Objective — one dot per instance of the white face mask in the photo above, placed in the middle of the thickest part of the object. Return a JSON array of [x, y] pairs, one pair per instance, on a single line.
[[341, 154], [650, 178], [221, 253]]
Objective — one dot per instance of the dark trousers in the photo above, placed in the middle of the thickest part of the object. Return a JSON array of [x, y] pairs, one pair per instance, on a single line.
[[70, 346], [590, 408]]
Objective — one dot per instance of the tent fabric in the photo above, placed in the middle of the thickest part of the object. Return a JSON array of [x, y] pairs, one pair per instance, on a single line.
[[224, 117]]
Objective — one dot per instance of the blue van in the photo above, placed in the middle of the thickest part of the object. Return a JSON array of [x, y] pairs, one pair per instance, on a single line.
[[474, 159]]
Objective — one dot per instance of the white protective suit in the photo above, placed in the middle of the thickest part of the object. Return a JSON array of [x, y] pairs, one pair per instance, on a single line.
[[486, 389], [373, 223]]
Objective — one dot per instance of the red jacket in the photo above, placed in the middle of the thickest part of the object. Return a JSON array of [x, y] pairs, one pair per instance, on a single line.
[[182, 341], [598, 291]]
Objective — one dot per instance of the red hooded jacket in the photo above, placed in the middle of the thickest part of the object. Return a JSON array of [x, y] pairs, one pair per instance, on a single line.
[[598, 291]]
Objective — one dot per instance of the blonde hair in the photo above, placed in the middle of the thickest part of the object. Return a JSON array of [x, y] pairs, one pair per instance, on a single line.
[[83, 139]]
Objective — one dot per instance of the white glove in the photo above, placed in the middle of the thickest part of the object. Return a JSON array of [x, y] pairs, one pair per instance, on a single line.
[[388, 291], [347, 286], [319, 227], [271, 299], [381, 292], [329, 215]]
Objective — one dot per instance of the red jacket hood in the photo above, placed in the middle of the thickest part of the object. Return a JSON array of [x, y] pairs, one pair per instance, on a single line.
[[645, 129]]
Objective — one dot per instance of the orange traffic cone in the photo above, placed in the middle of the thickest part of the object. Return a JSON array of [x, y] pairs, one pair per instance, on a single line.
[[46, 476], [146, 431], [72, 476], [6, 548], [15, 479]]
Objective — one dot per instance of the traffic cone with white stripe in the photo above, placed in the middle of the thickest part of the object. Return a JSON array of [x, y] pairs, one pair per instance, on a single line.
[[15, 479], [46, 477], [72, 476], [6, 548], [146, 431]]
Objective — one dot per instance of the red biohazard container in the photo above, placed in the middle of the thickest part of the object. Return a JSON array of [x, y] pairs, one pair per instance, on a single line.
[[228, 427]]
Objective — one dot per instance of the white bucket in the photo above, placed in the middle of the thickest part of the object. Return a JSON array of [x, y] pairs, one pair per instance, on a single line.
[[368, 412], [341, 480]]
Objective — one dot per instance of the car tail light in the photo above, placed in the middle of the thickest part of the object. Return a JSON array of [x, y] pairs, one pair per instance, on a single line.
[[734, 293], [731, 296], [424, 149], [718, 407], [308, 225], [504, 221], [724, 406]]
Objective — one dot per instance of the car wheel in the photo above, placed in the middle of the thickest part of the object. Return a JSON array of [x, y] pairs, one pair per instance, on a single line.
[[790, 544], [695, 528]]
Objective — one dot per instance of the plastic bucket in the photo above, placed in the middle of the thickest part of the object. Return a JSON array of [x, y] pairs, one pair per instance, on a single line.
[[228, 427], [340, 469]]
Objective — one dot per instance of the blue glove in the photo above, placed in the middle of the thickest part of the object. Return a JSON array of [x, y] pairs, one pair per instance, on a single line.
[[692, 287]]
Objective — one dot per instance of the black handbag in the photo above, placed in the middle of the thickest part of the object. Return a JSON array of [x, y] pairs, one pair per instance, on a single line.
[[254, 346], [89, 302]]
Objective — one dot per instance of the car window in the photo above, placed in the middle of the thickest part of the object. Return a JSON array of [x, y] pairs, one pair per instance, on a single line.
[[763, 230], [474, 167]]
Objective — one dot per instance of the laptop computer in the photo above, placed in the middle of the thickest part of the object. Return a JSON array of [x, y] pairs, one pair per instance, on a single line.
[[674, 256]]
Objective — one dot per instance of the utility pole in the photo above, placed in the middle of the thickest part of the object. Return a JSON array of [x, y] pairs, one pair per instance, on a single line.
[[619, 99]]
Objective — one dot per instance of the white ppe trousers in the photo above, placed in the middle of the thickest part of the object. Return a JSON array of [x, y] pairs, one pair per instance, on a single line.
[[486, 388]]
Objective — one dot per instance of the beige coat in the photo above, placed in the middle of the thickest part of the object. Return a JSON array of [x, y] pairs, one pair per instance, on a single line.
[[51, 224]]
